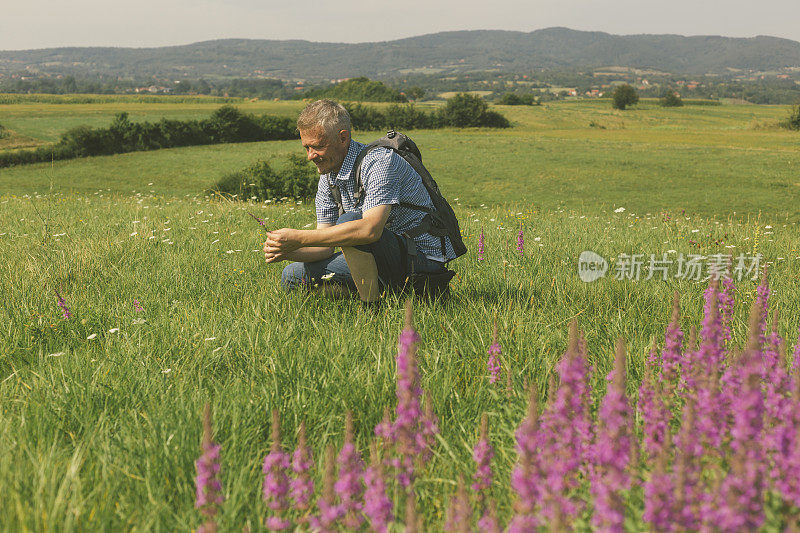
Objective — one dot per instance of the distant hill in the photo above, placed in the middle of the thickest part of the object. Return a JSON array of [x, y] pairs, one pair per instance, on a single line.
[[458, 51]]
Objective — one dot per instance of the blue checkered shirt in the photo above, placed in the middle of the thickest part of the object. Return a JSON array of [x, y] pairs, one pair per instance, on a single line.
[[388, 179]]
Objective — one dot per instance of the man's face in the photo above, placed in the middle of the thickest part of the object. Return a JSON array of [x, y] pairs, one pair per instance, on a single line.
[[327, 153]]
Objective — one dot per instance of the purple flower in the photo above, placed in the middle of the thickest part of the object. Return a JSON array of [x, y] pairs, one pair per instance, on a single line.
[[740, 505], [488, 523], [659, 498], [482, 454], [565, 435], [301, 487], [260, 222], [137, 306], [412, 434], [63, 305], [520, 242], [276, 483], [480, 246], [377, 505], [350, 487], [654, 411], [207, 484], [329, 512], [459, 515], [612, 451], [493, 363], [686, 473], [527, 477]]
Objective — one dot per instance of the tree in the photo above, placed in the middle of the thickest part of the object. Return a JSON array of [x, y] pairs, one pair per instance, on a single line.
[[623, 96], [670, 99], [792, 122], [415, 93]]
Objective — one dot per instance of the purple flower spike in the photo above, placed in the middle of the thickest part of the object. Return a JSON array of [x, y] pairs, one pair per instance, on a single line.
[[208, 486], [488, 523], [493, 363], [612, 451], [480, 246], [412, 434], [301, 487], [565, 435], [482, 454], [377, 505], [527, 477], [63, 305], [260, 222], [740, 505], [350, 487], [328, 512], [459, 515], [276, 483], [672, 354], [520, 242], [654, 411], [137, 306]]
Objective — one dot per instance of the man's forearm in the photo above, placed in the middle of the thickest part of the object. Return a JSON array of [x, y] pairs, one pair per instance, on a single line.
[[310, 254], [351, 233]]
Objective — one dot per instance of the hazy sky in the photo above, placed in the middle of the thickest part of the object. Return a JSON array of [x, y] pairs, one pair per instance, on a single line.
[[141, 23]]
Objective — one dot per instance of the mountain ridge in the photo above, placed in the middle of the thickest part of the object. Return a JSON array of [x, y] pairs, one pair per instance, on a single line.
[[458, 50]]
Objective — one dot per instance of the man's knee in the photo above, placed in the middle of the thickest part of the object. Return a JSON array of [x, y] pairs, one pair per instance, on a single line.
[[293, 275]]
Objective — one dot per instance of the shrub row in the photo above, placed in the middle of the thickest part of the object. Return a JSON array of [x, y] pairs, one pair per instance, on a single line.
[[225, 125], [296, 178], [462, 111]]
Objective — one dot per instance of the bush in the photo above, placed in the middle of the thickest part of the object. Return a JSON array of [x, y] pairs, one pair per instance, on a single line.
[[297, 179], [670, 99], [624, 96], [466, 110], [792, 122]]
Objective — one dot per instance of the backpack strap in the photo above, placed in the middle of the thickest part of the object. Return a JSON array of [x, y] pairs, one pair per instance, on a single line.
[[337, 195]]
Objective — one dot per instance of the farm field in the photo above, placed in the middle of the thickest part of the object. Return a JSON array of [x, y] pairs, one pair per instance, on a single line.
[[173, 306]]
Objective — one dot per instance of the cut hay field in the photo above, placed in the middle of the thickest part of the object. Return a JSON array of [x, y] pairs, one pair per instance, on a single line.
[[100, 414]]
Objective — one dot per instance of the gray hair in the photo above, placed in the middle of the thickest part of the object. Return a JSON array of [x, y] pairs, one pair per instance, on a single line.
[[331, 116]]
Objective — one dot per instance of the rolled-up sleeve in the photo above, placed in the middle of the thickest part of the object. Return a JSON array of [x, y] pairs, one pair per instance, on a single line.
[[380, 174], [327, 210]]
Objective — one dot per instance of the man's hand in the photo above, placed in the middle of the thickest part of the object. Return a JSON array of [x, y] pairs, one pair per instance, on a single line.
[[279, 243]]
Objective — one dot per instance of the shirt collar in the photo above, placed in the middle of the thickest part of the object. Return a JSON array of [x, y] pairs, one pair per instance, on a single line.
[[347, 165]]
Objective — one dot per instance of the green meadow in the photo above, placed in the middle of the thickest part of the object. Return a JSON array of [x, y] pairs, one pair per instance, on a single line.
[[100, 414]]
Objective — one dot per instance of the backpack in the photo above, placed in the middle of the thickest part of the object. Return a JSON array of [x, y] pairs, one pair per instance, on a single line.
[[440, 221]]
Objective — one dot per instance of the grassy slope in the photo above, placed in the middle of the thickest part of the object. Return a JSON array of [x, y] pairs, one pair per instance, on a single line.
[[102, 433], [708, 160]]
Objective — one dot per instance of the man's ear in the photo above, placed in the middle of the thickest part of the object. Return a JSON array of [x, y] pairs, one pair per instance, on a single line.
[[344, 136]]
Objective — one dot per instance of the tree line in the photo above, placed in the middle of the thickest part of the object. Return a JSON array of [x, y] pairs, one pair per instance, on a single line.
[[226, 125]]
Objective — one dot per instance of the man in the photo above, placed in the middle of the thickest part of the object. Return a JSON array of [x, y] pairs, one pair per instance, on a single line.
[[374, 252]]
